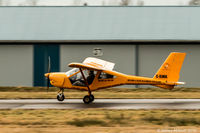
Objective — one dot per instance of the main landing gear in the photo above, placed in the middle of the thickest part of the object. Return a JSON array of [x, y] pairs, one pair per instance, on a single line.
[[61, 96], [88, 99]]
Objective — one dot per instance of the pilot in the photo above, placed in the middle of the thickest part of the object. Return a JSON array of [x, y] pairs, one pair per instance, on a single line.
[[78, 81], [91, 77]]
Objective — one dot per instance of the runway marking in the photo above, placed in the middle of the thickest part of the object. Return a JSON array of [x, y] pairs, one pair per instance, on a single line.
[[101, 103]]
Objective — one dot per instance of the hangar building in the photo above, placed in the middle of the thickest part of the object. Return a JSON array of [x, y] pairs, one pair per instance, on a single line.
[[137, 39]]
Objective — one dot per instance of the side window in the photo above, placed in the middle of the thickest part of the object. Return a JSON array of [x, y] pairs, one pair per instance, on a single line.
[[78, 80], [75, 77], [105, 76]]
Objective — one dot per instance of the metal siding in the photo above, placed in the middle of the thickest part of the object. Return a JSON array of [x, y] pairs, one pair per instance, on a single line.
[[152, 56], [16, 65], [99, 23]]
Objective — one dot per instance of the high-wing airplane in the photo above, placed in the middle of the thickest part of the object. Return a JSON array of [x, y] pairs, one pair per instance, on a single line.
[[95, 74]]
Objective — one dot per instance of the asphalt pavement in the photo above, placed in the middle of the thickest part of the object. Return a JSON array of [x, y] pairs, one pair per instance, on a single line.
[[101, 103]]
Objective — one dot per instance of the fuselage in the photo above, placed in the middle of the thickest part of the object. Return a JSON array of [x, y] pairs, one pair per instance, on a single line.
[[64, 80]]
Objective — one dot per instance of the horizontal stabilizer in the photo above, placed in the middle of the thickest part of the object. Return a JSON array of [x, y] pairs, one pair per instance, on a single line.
[[180, 83]]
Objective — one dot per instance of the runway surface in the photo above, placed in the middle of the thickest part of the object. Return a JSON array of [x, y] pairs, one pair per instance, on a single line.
[[101, 103]]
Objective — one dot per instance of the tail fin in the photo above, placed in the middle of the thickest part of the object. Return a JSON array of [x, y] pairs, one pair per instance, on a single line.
[[170, 69]]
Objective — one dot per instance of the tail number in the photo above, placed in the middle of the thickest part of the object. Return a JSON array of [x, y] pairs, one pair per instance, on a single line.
[[161, 76]]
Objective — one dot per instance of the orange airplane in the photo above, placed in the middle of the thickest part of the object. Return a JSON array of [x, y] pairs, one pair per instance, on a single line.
[[95, 74]]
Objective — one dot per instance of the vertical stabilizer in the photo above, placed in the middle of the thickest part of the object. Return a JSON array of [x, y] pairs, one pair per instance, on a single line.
[[170, 69]]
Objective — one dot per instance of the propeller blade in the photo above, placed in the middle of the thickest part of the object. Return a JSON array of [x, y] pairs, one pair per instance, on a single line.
[[49, 70], [49, 64]]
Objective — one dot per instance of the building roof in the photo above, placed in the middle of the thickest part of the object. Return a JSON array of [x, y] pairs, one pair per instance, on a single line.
[[99, 23]]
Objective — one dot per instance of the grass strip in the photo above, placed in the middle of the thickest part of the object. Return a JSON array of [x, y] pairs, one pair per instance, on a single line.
[[98, 117], [140, 93], [98, 120]]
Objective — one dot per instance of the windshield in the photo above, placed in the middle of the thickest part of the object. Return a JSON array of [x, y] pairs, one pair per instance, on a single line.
[[72, 71]]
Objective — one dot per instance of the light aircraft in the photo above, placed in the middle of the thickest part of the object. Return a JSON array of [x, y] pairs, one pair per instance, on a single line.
[[94, 74]]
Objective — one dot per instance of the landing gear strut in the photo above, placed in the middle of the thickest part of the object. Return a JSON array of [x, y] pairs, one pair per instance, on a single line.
[[88, 98], [61, 96]]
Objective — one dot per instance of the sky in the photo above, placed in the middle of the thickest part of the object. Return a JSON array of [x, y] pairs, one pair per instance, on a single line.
[[95, 2]]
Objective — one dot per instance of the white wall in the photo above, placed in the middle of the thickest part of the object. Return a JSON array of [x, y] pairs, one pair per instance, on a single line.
[[122, 55], [16, 65]]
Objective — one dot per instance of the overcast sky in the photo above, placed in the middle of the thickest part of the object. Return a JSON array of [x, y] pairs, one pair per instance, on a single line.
[[94, 2]]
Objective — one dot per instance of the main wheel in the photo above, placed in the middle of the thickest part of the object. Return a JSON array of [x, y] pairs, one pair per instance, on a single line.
[[86, 99], [60, 97], [91, 98]]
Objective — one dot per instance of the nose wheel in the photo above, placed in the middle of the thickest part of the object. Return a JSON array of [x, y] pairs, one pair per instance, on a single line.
[[88, 99], [61, 96]]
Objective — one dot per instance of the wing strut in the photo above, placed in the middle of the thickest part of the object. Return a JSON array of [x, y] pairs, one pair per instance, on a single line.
[[89, 91]]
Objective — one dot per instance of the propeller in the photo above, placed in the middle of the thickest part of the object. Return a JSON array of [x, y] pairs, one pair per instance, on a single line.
[[49, 70]]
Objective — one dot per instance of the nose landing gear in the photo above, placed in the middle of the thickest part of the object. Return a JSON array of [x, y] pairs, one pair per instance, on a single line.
[[61, 96]]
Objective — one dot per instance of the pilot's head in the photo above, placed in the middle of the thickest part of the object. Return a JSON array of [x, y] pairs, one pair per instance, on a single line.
[[91, 72]]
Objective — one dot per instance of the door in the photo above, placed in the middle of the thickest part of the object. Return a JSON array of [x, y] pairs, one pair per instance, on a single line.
[[41, 54]]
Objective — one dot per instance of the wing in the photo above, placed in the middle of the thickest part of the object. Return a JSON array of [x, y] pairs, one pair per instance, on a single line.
[[85, 66], [94, 64]]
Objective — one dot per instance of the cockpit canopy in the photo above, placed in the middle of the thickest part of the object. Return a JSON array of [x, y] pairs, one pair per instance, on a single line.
[[72, 71], [77, 79]]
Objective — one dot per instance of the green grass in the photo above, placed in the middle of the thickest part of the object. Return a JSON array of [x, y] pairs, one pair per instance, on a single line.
[[27, 89], [87, 122], [41, 92], [97, 120], [172, 121], [54, 89], [118, 119], [99, 117]]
